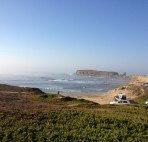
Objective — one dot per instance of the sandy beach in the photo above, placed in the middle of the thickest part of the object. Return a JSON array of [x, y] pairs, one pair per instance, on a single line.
[[132, 90]]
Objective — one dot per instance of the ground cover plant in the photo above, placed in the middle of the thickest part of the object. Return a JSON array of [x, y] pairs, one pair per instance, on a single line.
[[49, 117]]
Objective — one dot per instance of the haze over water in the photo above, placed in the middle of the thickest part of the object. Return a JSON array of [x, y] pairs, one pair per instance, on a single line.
[[64, 83]]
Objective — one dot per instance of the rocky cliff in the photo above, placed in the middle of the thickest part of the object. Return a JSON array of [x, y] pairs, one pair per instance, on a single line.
[[15, 89], [96, 73]]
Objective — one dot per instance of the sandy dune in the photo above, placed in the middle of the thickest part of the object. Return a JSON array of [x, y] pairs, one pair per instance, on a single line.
[[131, 90]]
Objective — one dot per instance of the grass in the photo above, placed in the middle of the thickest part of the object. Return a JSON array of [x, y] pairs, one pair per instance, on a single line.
[[102, 124], [142, 99], [49, 117], [61, 100]]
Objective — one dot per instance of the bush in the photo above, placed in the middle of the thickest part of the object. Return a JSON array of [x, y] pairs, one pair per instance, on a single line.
[[103, 124]]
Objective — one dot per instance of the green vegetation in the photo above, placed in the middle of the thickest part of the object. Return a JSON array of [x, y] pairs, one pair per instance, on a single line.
[[63, 119], [142, 99], [76, 125], [61, 100]]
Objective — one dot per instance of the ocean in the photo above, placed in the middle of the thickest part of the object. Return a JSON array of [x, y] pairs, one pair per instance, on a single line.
[[64, 83]]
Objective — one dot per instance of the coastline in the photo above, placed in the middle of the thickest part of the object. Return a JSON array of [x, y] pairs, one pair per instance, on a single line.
[[132, 89]]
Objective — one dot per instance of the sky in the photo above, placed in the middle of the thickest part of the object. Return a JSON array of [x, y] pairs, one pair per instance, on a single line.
[[61, 36]]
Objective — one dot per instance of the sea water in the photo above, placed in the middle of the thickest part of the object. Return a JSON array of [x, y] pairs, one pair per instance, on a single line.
[[64, 83]]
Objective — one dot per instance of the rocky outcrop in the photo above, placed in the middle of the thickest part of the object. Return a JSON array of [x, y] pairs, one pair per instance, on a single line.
[[96, 73], [15, 89]]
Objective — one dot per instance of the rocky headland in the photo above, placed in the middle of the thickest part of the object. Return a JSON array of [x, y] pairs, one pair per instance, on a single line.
[[96, 73], [4, 88]]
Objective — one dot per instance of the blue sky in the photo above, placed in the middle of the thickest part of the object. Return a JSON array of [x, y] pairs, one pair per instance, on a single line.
[[61, 36]]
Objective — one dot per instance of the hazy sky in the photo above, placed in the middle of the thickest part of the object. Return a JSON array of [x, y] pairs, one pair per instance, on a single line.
[[61, 36]]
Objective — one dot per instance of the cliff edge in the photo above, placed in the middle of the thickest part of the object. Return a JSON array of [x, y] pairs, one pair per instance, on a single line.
[[15, 89]]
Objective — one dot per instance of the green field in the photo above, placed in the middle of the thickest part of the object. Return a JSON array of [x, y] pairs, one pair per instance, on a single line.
[[53, 118]]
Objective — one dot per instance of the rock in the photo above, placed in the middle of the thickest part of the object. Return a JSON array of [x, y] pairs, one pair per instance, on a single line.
[[96, 73], [15, 89]]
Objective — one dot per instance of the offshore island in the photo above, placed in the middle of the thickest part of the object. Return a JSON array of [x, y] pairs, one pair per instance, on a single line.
[[95, 73]]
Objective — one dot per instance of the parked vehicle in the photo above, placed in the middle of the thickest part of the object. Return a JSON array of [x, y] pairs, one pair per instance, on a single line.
[[144, 85], [126, 102], [146, 102], [120, 99]]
